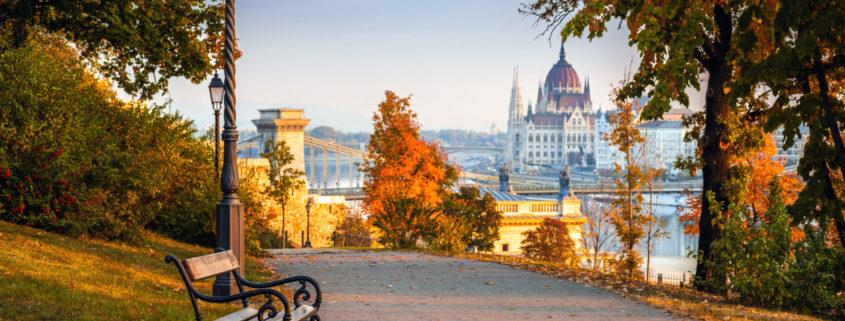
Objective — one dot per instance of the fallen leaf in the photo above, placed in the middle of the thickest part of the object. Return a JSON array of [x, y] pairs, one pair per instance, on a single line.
[[489, 283]]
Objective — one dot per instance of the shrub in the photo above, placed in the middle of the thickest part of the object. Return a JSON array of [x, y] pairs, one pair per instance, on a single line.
[[550, 242], [75, 159]]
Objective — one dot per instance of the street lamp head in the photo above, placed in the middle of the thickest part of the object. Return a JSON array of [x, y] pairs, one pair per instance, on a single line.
[[215, 89], [308, 205]]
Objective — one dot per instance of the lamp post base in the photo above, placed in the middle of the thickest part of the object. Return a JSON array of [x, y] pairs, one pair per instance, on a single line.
[[230, 236]]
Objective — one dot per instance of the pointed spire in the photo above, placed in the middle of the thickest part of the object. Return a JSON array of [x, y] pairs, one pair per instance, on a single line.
[[562, 51], [515, 107]]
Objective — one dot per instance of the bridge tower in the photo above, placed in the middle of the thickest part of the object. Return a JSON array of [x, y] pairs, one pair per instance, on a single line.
[[284, 124]]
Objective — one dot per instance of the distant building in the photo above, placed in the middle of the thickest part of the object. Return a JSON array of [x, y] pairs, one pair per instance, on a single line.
[[665, 141], [494, 130], [796, 151], [560, 125], [520, 214], [288, 125]]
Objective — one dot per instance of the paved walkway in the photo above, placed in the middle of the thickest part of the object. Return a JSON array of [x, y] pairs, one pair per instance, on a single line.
[[411, 286]]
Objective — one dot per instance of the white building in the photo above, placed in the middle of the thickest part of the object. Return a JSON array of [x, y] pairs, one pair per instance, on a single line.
[[664, 143], [559, 131]]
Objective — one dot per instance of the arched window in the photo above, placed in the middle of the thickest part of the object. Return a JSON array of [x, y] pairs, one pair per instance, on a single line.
[[553, 138], [517, 138], [530, 138], [545, 137]]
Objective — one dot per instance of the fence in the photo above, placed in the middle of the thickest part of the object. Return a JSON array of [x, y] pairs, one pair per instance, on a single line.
[[351, 240], [670, 279]]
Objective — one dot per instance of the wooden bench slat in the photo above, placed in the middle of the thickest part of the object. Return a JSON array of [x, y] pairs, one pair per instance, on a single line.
[[201, 267], [302, 312], [250, 314], [246, 314]]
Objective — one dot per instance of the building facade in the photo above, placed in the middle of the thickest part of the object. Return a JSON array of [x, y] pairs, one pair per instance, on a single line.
[[521, 214], [664, 142], [558, 130]]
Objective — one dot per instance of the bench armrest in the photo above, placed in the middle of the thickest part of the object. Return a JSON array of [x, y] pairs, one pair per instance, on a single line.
[[267, 308], [301, 294]]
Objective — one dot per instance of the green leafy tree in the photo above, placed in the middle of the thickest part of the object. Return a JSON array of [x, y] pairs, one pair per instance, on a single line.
[[468, 220], [550, 242], [139, 44], [284, 179], [484, 219]]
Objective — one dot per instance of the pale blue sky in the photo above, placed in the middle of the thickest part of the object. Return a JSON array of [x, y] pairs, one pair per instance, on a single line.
[[336, 58]]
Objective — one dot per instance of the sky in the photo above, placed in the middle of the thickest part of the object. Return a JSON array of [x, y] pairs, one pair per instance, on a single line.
[[335, 59]]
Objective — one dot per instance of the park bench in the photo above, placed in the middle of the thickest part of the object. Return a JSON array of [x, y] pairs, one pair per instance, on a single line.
[[223, 262]]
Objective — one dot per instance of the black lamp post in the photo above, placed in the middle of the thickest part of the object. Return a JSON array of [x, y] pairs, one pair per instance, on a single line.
[[215, 90], [230, 212], [307, 224]]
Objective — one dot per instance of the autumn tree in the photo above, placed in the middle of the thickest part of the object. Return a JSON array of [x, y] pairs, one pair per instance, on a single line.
[[678, 43], [284, 179], [627, 212], [550, 242], [798, 76], [763, 168], [407, 176]]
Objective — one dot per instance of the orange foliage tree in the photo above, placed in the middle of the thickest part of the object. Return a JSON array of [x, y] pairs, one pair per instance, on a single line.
[[407, 177], [765, 167]]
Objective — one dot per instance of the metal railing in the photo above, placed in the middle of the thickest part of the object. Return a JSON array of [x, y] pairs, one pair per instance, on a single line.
[[669, 279]]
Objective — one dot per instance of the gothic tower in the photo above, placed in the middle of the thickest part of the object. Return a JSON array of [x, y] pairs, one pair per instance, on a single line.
[[515, 113]]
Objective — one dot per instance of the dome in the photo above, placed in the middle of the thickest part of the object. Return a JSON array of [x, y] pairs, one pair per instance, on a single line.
[[562, 75]]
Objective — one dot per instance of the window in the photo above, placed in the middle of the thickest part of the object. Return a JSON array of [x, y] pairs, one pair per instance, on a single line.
[[505, 247], [530, 138], [545, 138], [517, 138]]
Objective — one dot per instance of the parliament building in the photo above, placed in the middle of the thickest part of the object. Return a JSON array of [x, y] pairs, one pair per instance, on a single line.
[[558, 130]]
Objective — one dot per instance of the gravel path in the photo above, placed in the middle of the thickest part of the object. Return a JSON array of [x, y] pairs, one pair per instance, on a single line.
[[412, 286]]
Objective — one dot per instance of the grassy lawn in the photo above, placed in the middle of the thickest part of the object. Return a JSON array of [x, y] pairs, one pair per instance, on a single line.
[[44, 276]]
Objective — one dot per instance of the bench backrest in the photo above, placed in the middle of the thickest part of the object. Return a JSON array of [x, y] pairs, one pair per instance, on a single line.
[[201, 267]]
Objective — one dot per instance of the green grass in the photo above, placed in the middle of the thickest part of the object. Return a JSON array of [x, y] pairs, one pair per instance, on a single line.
[[45, 276]]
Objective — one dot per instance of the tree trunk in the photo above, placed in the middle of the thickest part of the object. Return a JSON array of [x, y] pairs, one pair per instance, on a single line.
[[836, 136], [716, 167], [715, 172]]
